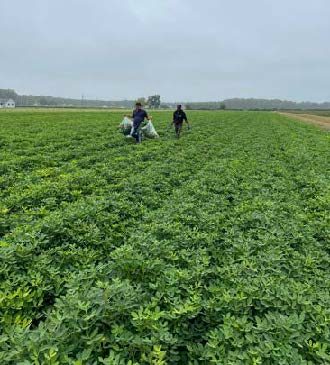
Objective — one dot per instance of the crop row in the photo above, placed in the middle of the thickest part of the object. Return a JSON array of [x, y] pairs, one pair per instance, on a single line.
[[210, 249]]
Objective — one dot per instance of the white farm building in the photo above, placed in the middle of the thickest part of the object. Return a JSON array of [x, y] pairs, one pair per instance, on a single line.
[[7, 103]]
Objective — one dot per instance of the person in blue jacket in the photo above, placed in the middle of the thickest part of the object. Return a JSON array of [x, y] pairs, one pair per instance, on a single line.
[[138, 116]]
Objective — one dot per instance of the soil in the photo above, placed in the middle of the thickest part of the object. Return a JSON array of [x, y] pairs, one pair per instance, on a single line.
[[322, 122]]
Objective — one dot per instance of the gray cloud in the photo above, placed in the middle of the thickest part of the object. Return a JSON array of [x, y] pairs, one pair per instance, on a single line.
[[182, 49]]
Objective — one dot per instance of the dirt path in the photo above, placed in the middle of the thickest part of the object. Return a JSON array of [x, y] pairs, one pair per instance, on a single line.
[[322, 122]]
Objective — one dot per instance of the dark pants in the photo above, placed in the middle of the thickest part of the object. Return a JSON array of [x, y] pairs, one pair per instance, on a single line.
[[178, 127], [136, 133]]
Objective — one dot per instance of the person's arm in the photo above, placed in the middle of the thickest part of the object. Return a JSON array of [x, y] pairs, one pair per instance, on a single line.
[[186, 119], [173, 117], [146, 116]]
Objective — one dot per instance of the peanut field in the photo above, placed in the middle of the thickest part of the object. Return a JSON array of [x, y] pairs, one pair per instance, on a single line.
[[210, 249]]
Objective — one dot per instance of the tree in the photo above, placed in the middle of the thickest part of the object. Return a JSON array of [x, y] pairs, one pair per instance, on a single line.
[[141, 100], [8, 94], [43, 101], [154, 101], [222, 106]]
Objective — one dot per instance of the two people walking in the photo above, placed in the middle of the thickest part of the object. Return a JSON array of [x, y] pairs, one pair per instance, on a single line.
[[139, 115]]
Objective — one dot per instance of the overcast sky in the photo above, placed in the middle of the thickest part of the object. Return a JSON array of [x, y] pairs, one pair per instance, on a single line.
[[182, 49]]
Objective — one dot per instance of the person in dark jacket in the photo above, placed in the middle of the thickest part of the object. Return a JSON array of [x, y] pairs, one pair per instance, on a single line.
[[138, 117], [178, 117]]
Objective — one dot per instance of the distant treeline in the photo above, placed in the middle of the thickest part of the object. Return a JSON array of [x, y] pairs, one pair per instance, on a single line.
[[237, 103], [258, 104], [32, 100], [29, 100]]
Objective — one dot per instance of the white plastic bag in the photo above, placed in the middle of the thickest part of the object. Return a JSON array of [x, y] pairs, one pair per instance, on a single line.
[[126, 126], [149, 130]]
